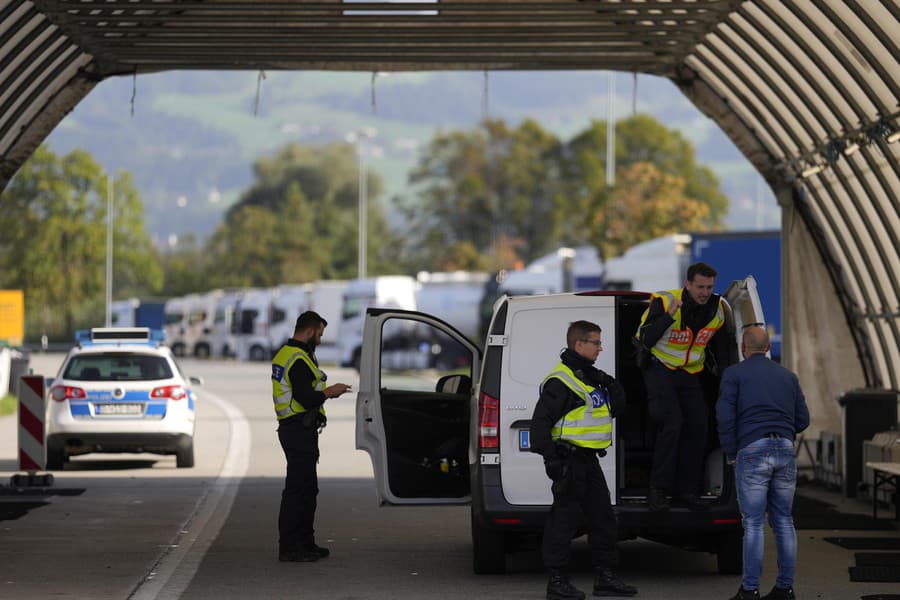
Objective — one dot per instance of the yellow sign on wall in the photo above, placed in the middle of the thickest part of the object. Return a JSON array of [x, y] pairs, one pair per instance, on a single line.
[[12, 317]]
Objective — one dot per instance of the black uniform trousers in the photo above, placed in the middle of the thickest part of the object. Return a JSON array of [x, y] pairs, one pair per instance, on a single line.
[[301, 486], [580, 495], [678, 409]]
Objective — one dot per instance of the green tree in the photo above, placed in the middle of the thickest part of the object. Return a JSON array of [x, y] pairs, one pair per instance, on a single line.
[[483, 186], [53, 219], [524, 186], [640, 139], [298, 222]]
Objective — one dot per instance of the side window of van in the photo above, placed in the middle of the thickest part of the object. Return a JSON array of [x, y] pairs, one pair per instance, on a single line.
[[415, 356]]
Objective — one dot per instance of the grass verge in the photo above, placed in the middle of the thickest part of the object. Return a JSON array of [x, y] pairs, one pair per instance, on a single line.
[[7, 405]]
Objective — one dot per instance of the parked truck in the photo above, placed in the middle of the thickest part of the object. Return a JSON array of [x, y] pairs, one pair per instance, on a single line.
[[139, 312], [735, 255]]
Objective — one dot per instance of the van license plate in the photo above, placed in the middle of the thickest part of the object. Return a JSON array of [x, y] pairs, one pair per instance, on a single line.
[[524, 439]]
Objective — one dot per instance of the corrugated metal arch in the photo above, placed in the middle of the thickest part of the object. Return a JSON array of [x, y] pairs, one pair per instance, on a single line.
[[807, 89]]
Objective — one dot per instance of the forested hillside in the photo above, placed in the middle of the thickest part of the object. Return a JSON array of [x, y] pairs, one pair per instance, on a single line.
[[193, 136]]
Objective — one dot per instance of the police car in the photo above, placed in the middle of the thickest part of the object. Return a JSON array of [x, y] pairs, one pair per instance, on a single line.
[[120, 390], [461, 436]]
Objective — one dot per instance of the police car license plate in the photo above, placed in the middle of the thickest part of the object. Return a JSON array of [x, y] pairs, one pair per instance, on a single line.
[[119, 408], [524, 439]]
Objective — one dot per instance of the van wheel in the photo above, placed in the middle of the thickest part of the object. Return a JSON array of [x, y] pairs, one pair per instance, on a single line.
[[184, 456], [201, 351], [730, 554], [488, 551], [257, 353], [178, 350]]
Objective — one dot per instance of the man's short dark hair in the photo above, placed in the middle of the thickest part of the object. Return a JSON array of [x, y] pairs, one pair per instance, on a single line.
[[579, 330], [700, 268], [309, 319]]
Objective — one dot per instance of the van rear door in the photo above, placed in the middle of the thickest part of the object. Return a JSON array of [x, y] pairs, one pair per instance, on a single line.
[[535, 335], [414, 405]]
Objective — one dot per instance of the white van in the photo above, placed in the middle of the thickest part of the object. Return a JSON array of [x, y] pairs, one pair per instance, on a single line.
[[326, 298], [222, 339], [175, 326], [251, 324], [389, 291], [566, 270], [462, 436], [200, 319], [288, 302], [657, 264]]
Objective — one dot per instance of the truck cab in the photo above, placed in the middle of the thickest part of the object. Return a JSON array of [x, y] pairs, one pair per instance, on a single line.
[[461, 435]]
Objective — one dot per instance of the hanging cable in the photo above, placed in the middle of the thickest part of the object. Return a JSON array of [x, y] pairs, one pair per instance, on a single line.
[[484, 98], [133, 90], [259, 80]]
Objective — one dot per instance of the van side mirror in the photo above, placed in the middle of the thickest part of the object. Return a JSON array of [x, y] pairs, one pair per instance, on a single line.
[[454, 384], [195, 380]]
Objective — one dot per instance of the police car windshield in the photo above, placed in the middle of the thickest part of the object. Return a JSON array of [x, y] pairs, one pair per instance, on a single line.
[[117, 366]]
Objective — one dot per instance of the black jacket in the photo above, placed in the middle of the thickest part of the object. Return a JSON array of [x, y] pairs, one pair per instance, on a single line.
[[557, 399]]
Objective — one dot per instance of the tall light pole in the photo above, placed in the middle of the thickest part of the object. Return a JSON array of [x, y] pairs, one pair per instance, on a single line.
[[359, 138], [109, 248], [611, 132]]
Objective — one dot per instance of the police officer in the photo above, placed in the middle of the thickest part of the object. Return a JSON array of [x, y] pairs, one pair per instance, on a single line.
[[571, 428], [678, 328], [299, 393]]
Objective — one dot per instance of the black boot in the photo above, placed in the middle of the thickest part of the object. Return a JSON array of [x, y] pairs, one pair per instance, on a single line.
[[559, 588], [657, 500], [743, 594], [607, 584], [778, 593], [318, 550]]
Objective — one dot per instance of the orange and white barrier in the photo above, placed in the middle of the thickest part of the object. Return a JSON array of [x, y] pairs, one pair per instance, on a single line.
[[32, 409]]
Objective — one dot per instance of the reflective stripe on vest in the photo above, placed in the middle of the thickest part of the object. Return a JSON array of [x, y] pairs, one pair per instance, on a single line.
[[681, 348], [589, 425], [282, 394]]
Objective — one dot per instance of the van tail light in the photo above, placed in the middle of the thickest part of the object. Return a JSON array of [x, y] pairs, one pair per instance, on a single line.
[[488, 421], [60, 393], [173, 392]]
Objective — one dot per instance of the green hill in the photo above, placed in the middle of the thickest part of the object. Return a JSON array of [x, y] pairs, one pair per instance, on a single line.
[[194, 136]]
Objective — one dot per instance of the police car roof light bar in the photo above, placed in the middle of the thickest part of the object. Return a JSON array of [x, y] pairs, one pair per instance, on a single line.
[[119, 335]]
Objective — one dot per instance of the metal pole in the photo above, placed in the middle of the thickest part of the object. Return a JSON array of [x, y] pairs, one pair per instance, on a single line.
[[611, 132], [361, 268], [109, 248]]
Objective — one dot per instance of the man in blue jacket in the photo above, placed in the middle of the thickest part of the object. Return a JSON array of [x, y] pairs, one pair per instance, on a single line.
[[760, 409]]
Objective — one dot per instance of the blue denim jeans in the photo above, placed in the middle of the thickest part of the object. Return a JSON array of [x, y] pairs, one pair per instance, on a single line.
[[766, 476]]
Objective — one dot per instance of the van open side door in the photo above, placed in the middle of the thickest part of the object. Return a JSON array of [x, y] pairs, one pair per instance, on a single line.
[[413, 406]]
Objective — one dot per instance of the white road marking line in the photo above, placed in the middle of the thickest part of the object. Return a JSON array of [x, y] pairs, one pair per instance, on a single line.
[[173, 571]]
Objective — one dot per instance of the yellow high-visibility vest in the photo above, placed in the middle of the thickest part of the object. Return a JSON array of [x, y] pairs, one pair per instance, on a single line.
[[682, 348], [589, 425], [282, 394]]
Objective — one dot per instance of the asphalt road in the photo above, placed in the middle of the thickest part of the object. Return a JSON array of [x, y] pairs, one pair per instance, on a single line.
[[136, 527]]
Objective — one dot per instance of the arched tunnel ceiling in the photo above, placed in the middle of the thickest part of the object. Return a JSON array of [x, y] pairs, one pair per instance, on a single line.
[[807, 89]]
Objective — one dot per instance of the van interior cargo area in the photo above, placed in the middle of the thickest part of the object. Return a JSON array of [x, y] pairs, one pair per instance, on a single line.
[[635, 432], [427, 443]]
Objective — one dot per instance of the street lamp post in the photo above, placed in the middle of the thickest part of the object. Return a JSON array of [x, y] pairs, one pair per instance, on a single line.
[[109, 248]]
